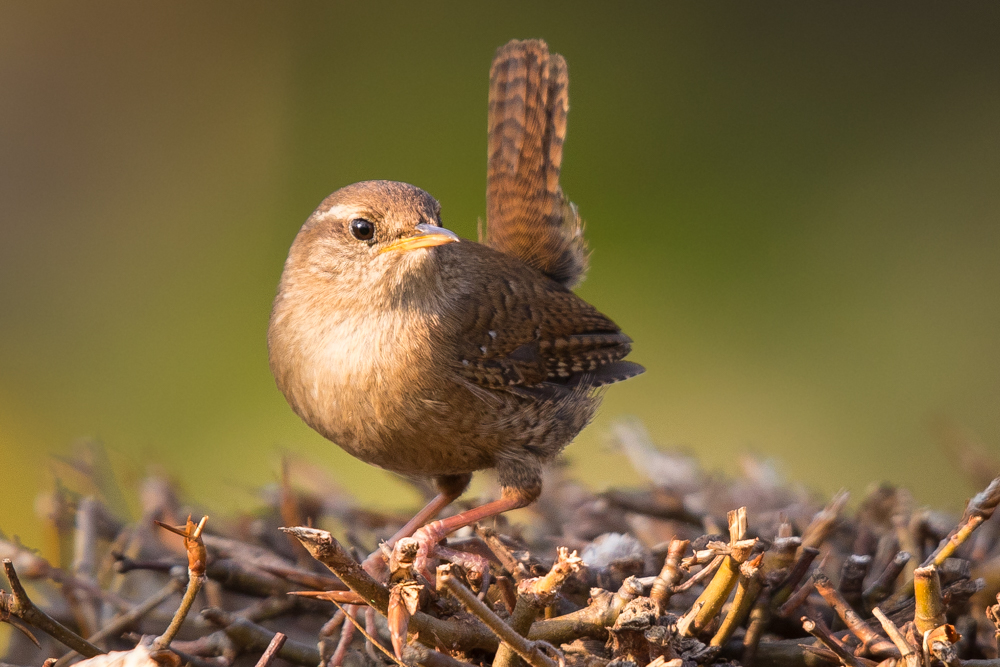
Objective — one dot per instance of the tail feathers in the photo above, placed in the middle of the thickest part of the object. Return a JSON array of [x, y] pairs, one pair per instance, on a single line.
[[528, 216]]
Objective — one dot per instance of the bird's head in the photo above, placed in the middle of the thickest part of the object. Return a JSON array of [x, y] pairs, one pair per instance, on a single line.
[[371, 237]]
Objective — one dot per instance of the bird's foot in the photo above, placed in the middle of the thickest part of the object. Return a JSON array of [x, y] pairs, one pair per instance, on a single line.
[[428, 537]]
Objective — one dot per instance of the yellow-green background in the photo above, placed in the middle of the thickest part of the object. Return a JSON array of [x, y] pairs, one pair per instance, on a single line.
[[794, 209]]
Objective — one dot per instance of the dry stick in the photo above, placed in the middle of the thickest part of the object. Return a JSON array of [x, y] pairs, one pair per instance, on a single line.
[[760, 618], [871, 641], [533, 596], [746, 593], [252, 637], [421, 655], [784, 653], [20, 605], [272, 649], [806, 555], [980, 508], [670, 574], [341, 597], [909, 654], [528, 650], [197, 560], [122, 621], [779, 571], [822, 633], [591, 621], [885, 583], [852, 578], [328, 551], [701, 575], [930, 610], [797, 599], [710, 602], [819, 529]]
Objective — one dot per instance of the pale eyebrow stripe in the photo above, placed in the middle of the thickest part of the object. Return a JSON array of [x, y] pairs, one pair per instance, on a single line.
[[344, 211]]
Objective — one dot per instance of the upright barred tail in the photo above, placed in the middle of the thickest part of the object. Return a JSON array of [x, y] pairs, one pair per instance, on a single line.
[[527, 215]]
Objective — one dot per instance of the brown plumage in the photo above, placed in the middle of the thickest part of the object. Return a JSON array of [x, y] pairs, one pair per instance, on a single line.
[[429, 356], [527, 214]]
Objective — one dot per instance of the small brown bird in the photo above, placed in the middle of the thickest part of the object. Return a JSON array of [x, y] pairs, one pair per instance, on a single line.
[[426, 354]]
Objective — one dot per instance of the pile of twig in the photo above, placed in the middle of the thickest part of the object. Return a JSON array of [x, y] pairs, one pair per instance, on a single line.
[[663, 575]]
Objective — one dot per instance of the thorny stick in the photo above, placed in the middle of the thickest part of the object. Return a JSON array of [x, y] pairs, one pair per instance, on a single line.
[[272, 650], [528, 650], [197, 561], [20, 605]]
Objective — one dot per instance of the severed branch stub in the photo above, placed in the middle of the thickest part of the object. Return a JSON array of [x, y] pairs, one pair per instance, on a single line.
[[197, 564]]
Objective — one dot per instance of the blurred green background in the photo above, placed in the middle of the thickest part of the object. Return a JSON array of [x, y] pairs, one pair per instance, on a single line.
[[793, 207]]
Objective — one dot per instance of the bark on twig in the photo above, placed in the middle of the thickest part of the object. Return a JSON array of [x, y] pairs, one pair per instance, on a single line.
[[20, 605], [529, 650]]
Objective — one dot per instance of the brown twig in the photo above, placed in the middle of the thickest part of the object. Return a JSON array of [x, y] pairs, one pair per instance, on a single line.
[[852, 578], [122, 621], [328, 551], [529, 650], [909, 654], [20, 605], [197, 560], [272, 649], [979, 509], [533, 595], [871, 641], [885, 583], [591, 621], [670, 575], [818, 630], [824, 521], [252, 637]]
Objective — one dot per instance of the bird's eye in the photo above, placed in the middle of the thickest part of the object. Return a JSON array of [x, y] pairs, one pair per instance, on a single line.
[[362, 229]]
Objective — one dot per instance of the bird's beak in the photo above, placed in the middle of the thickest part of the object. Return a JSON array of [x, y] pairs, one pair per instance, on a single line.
[[427, 236]]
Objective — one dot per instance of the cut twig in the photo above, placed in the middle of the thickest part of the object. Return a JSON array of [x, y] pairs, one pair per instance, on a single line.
[[197, 561], [529, 650], [670, 575], [871, 641], [930, 608], [324, 548], [533, 595], [818, 630], [979, 509], [908, 652], [885, 583]]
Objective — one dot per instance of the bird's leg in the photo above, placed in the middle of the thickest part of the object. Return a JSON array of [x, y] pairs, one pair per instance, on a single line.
[[511, 498], [449, 488]]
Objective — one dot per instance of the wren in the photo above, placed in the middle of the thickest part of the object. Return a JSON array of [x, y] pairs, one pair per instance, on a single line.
[[426, 354]]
